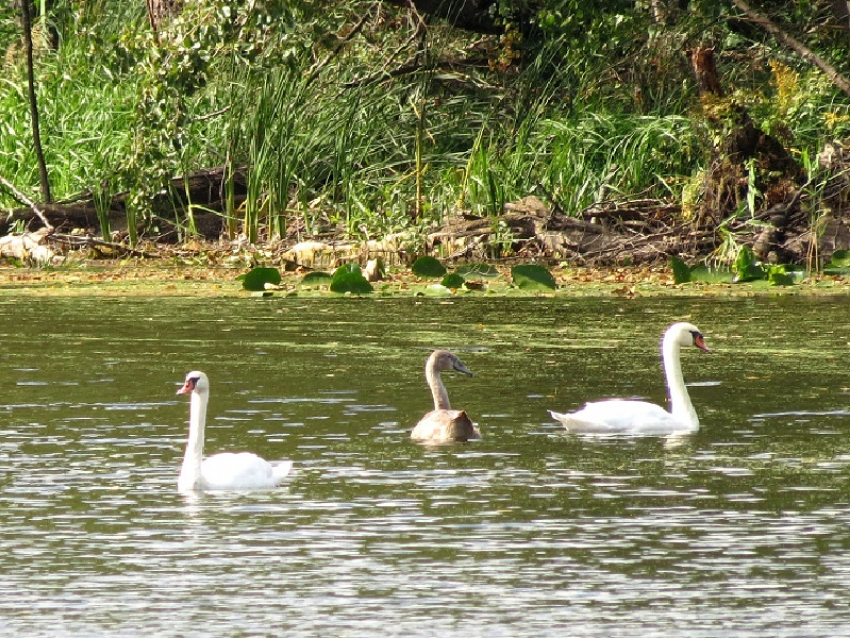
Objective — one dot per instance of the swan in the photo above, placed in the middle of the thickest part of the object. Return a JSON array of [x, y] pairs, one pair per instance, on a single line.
[[442, 424], [621, 416], [226, 471]]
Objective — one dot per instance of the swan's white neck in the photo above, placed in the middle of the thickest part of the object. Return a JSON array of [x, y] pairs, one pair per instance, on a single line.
[[190, 472], [680, 402], [438, 390]]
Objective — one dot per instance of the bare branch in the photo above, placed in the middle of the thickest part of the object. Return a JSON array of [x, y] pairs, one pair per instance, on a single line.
[[27, 201]]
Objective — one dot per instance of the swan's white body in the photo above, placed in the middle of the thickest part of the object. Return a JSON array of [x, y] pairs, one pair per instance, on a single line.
[[442, 424], [623, 416], [226, 471]]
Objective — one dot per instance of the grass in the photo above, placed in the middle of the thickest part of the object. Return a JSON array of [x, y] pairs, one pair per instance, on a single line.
[[327, 140]]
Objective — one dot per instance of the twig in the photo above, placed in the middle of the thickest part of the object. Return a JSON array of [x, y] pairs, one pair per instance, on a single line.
[[314, 72], [76, 240], [807, 54], [28, 202], [210, 116], [408, 67]]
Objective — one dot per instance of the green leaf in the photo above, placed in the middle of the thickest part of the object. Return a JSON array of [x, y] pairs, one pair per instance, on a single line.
[[840, 260], [778, 276], [316, 278], [257, 278], [349, 278], [746, 267], [711, 275], [453, 280], [428, 267], [533, 277], [477, 270], [681, 270]]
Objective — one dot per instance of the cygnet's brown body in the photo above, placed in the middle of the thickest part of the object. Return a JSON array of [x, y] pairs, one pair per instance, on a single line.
[[442, 424]]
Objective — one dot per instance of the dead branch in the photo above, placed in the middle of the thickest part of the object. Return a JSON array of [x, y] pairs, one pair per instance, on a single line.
[[27, 202]]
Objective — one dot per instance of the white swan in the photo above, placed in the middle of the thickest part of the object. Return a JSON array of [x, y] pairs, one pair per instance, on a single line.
[[226, 471], [442, 424], [620, 416]]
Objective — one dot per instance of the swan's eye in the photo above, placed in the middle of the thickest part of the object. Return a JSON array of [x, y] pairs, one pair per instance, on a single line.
[[192, 382]]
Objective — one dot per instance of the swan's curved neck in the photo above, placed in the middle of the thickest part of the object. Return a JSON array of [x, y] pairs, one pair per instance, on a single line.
[[680, 402], [438, 390], [190, 472]]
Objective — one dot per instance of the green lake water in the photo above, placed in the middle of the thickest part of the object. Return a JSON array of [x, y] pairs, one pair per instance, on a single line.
[[742, 529]]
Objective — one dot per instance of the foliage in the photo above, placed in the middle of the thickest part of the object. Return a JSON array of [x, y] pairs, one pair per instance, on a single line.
[[260, 278], [681, 271], [453, 280], [533, 277], [427, 266], [316, 278], [342, 115], [349, 278], [746, 267]]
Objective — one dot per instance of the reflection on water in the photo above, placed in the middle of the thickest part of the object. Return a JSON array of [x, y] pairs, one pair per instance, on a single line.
[[740, 530]]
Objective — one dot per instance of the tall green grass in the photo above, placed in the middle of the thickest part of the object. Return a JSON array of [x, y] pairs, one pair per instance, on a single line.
[[364, 158]]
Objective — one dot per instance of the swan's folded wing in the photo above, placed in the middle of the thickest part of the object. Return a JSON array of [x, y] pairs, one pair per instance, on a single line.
[[240, 471], [618, 416]]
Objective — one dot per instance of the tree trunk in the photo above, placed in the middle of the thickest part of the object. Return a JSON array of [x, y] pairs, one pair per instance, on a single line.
[[36, 134], [705, 71]]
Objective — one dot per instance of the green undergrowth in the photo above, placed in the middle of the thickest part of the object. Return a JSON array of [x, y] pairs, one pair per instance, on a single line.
[[346, 116]]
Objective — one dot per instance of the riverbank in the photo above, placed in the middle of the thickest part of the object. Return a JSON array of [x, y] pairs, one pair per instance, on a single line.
[[141, 277]]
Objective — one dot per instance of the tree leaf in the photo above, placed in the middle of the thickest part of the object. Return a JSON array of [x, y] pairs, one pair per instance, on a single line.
[[257, 278], [532, 277], [681, 270], [428, 267], [349, 278]]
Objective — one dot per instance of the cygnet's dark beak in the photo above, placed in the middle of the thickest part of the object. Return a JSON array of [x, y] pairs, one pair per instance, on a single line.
[[462, 368]]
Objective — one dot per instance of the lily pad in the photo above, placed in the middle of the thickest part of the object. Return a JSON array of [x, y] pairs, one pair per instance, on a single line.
[[840, 259], [681, 270], [257, 278], [453, 280], [477, 270], [839, 264], [711, 275], [349, 278], [316, 278], [437, 290], [533, 277], [428, 267]]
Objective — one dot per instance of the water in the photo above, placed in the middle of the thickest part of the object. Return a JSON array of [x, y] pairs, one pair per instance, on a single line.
[[740, 530]]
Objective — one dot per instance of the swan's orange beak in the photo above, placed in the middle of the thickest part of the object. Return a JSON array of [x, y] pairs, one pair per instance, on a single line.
[[188, 386], [699, 342]]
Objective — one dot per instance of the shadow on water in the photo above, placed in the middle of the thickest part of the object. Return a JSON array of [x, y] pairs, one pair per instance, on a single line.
[[738, 530]]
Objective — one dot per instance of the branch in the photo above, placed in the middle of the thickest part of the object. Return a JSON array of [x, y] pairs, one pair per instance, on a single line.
[[419, 33], [27, 201], [807, 54], [314, 72]]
